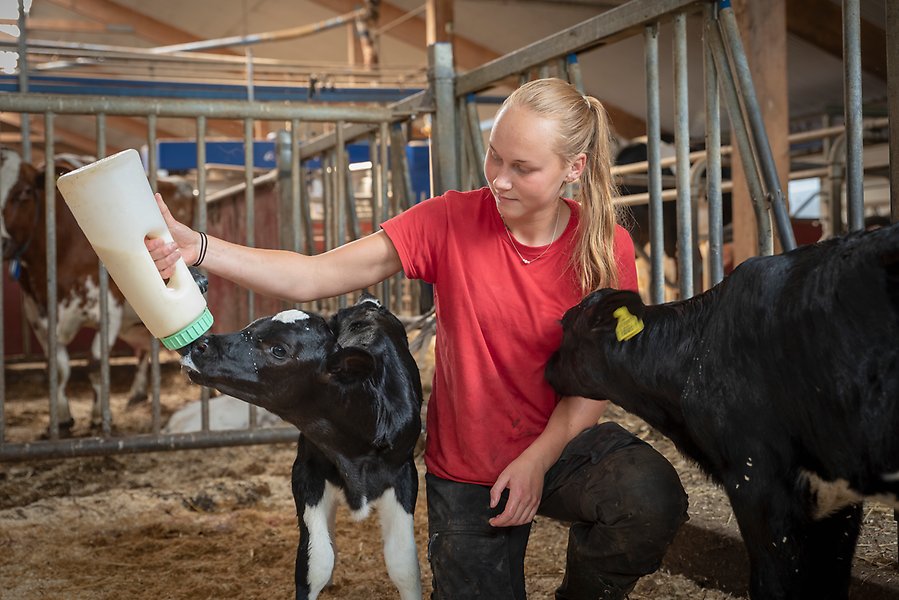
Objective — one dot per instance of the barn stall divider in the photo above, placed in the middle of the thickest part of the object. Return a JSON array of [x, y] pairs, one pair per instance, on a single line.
[[454, 103], [382, 126]]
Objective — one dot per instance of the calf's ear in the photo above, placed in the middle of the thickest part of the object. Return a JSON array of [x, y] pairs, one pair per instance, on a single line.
[[620, 311], [348, 365]]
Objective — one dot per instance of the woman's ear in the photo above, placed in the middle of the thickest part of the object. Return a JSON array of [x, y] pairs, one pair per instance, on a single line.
[[576, 168]]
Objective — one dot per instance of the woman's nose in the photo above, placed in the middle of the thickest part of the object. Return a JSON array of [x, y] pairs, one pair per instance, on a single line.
[[501, 182]]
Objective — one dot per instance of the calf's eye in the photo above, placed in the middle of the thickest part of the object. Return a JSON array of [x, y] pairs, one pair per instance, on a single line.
[[279, 351]]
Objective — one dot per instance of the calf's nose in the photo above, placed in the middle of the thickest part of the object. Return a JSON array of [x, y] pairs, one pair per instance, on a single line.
[[198, 346]]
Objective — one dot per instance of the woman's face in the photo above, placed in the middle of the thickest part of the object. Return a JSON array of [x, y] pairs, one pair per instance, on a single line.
[[523, 171]]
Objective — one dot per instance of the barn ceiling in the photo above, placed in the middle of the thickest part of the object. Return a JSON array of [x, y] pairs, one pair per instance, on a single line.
[[483, 30]]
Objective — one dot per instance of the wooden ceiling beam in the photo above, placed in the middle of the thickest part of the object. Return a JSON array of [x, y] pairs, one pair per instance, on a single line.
[[71, 26], [111, 13], [468, 54], [820, 23]]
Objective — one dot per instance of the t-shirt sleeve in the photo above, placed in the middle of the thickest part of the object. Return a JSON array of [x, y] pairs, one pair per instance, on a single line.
[[419, 236], [626, 259]]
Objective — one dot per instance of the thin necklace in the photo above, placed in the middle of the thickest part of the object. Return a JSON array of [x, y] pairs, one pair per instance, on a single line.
[[551, 240]]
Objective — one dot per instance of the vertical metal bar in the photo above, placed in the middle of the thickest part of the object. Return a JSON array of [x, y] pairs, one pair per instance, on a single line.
[[384, 192], [444, 149], [467, 174], [152, 171], [200, 222], [250, 197], [892, 32], [284, 158], [477, 138], [731, 36], [52, 305], [402, 181], [837, 176], [682, 168], [103, 283], [329, 210], [654, 168], [574, 72], [741, 136], [250, 200], [852, 107], [25, 118], [713, 158], [297, 219]]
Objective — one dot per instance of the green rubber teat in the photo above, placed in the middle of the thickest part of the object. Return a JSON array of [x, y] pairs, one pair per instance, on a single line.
[[190, 333]]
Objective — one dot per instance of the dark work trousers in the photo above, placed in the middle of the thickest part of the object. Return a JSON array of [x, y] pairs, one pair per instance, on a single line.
[[623, 499]]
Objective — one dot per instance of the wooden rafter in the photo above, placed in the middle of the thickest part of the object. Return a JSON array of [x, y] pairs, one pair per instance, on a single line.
[[820, 23], [469, 54], [108, 14]]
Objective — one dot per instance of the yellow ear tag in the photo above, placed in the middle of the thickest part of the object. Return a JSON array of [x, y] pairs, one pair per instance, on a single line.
[[628, 325]]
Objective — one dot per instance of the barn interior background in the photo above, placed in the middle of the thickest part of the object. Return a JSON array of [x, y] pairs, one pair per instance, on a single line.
[[314, 120]]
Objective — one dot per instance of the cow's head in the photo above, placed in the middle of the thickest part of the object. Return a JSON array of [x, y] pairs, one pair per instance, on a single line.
[[22, 200], [271, 362], [594, 334], [289, 364]]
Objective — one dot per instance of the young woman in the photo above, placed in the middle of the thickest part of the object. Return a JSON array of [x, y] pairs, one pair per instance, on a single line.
[[506, 262]]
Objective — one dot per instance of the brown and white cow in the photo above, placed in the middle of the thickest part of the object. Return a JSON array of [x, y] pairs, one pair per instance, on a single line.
[[78, 294]]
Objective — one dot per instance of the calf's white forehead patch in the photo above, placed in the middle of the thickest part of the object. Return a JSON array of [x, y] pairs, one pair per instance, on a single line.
[[290, 316]]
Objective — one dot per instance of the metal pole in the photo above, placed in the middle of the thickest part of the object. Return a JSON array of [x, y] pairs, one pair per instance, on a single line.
[[892, 32], [713, 158], [477, 139], [852, 113], [654, 169], [731, 36], [250, 196], [444, 150], [575, 77], [200, 221], [383, 192], [152, 170], [741, 136], [103, 282], [256, 38], [682, 167], [50, 224], [24, 119]]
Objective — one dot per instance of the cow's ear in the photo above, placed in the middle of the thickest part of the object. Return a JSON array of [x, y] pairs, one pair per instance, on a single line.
[[620, 311], [349, 365]]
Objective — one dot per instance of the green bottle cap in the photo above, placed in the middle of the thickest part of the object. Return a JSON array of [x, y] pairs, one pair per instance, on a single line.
[[190, 333]]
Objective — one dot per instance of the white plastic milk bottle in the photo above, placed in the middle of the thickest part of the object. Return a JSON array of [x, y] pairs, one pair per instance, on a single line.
[[114, 205]]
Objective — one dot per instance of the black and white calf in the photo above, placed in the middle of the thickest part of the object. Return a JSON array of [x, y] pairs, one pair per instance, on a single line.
[[353, 390], [782, 383]]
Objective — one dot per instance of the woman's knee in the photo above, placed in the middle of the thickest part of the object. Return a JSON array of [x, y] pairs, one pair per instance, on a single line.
[[649, 492]]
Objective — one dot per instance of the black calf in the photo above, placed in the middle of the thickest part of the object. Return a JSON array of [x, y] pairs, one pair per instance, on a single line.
[[782, 382], [353, 390]]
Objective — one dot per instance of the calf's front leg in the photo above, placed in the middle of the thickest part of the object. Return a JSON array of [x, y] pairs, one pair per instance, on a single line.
[[396, 508]]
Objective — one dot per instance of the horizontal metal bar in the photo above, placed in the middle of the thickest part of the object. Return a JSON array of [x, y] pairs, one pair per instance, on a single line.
[[95, 446], [629, 18], [268, 36], [421, 102], [216, 109]]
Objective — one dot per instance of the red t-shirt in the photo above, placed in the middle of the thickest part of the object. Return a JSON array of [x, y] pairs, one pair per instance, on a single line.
[[497, 325]]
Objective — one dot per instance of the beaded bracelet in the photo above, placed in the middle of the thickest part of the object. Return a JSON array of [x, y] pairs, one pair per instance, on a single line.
[[203, 244]]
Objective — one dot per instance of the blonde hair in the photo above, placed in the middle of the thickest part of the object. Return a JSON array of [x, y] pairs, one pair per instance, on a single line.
[[583, 127]]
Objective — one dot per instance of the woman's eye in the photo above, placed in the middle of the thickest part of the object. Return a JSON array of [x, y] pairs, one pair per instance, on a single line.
[[279, 351]]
